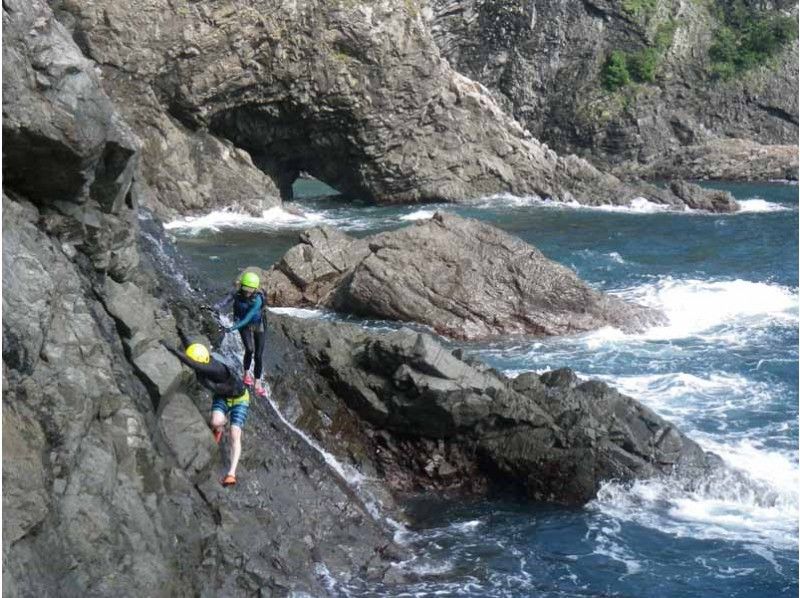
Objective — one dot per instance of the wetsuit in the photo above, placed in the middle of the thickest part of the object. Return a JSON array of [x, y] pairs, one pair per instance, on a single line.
[[229, 392], [250, 324]]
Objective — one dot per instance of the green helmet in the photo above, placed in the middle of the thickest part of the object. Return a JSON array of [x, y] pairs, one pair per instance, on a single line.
[[250, 279]]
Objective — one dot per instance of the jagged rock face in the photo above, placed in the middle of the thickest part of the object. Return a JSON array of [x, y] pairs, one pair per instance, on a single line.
[[355, 94], [432, 420], [55, 113], [463, 278], [110, 475], [64, 144], [543, 60], [182, 171]]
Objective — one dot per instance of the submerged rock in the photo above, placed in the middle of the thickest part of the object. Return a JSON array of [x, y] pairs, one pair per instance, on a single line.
[[426, 418], [463, 278]]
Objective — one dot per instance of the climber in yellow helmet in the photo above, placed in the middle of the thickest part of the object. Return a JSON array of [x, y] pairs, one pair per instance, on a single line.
[[231, 400]]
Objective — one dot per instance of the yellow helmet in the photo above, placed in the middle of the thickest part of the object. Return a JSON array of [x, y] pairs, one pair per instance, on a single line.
[[198, 352]]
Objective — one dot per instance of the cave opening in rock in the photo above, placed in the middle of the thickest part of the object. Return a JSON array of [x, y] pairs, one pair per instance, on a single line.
[[308, 187], [290, 147]]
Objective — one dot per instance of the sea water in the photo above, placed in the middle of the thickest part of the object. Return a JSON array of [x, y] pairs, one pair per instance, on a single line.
[[724, 369]]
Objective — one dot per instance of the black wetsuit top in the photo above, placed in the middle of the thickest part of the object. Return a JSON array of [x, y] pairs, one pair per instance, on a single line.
[[214, 375]]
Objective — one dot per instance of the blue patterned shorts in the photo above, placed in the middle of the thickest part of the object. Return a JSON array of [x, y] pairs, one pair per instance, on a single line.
[[235, 409]]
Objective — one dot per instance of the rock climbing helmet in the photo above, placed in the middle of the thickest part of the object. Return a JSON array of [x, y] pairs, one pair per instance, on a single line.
[[197, 352], [251, 280]]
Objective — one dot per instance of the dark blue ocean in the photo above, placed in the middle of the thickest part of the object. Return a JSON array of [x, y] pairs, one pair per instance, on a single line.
[[725, 370]]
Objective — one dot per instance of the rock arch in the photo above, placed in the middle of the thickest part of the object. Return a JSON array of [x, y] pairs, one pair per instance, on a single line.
[[356, 94]]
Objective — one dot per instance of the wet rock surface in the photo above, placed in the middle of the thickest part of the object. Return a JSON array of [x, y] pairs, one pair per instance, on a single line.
[[698, 198], [426, 418], [461, 277]]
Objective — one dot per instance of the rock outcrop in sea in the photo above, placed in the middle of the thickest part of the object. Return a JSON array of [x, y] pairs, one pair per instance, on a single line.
[[461, 277], [423, 418]]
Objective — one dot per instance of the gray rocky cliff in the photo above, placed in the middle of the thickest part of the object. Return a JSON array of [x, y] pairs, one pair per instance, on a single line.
[[463, 278], [543, 61], [356, 94], [110, 474]]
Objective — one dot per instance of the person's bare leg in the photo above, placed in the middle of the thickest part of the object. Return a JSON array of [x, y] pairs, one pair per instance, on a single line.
[[218, 421], [236, 448]]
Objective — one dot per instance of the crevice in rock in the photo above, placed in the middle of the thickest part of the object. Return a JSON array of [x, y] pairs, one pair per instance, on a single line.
[[30, 533], [215, 514], [779, 113], [25, 156], [124, 332]]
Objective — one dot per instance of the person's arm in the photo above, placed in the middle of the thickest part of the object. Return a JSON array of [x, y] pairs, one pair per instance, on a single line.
[[251, 313], [224, 302], [215, 370]]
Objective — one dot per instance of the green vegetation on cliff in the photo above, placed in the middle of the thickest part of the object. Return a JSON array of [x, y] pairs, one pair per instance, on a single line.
[[639, 7], [622, 68], [748, 38], [615, 71]]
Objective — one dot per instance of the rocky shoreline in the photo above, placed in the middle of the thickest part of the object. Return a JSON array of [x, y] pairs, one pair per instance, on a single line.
[[401, 407], [116, 111], [545, 62]]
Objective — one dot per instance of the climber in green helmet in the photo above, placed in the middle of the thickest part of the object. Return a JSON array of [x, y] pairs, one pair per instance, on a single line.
[[248, 301], [231, 400]]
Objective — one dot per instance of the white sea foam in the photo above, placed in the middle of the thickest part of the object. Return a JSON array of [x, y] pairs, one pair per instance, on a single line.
[[756, 502], [616, 257], [301, 312], [761, 205], [638, 205], [432, 568], [467, 526], [596, 256], [419, 215], [698, 306], [273, 218], [606, 546], [679, 395]]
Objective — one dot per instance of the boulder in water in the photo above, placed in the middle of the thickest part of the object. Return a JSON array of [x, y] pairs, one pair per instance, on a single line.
[[463, 278], [697, 198]]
